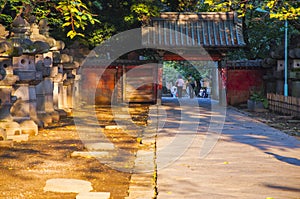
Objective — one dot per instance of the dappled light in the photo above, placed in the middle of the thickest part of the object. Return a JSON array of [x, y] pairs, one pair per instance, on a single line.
[[237, 146], [48, 155]]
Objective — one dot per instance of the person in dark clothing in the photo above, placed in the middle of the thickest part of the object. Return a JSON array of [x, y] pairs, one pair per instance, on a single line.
[[191, 85], [198, 87], [203, 92]]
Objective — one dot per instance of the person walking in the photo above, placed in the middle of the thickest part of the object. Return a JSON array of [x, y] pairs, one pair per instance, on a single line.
[[191, 86], [198, 87], [179, 84]]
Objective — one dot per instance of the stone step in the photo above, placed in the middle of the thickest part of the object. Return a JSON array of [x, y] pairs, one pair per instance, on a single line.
[[115, 127], [141, 179], [93, 195], [99, 146], [144, 161], [87, 154], [18, 138], [122, 116], [67, 185], [141, 195]]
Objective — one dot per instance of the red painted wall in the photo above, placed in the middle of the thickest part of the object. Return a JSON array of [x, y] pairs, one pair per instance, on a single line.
[[239, 83]]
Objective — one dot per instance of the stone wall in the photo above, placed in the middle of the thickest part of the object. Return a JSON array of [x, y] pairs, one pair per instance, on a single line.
[[243, 77], [37, 77], [274, 65]]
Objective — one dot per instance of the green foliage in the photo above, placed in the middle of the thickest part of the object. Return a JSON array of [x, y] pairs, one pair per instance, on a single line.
[[15, 5], [97, 4], [41, 11], [144, 11], [282, 10], [198, 69], [72, 15], [181, 5], [100, 35], [286, 9], [6, 19], [76, 15], [71, 18], [8, 10], [241, 7], [262, 23], [170, 71], [259, 97], [141, 11]]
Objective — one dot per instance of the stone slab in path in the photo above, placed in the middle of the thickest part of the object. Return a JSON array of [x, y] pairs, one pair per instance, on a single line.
[[115, 127], [93, 195], [99, 146], [140, 195], [144, 161], [89, 154], [66, 185], [18, 138]]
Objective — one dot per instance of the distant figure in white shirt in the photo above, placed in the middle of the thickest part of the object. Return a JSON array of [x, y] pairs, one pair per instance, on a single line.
[[179, 83]]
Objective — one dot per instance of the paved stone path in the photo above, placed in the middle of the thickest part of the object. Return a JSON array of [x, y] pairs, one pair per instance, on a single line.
[[240, 158], [198, 149]]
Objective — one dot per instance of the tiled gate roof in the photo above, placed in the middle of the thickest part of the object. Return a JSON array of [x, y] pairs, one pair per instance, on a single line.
[[182, 30]]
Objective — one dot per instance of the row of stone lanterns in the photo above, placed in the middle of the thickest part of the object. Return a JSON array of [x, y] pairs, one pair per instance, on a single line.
[[36, 79]]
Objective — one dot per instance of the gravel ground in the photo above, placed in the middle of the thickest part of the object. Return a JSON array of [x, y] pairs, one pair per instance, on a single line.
[[287, 124], [27, 166]]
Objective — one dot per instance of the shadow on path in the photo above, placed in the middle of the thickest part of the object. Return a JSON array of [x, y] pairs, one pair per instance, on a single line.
[[243, 129], [289, 160], [283, 188]]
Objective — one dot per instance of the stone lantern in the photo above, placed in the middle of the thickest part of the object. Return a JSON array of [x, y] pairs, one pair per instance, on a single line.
[[24, 109], [9, 128]]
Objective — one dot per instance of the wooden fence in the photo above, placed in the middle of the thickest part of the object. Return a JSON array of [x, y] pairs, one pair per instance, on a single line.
[[284, 105]]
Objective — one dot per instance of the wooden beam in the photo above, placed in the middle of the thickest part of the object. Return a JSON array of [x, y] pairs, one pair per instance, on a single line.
[[174, 57]]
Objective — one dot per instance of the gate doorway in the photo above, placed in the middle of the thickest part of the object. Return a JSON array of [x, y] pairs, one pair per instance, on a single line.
[[124, 81], [105, 87], [205, 74], [194, 36]]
